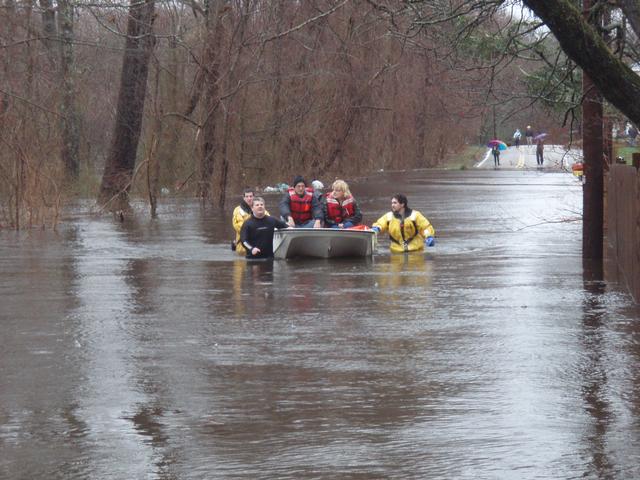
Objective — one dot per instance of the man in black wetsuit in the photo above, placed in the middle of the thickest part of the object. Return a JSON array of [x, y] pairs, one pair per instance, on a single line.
[[256, 234]]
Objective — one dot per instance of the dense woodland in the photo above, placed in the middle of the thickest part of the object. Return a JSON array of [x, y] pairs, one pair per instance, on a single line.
[[104, 100]]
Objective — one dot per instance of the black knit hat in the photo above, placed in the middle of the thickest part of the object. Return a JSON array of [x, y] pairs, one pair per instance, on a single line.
[[298, 179]]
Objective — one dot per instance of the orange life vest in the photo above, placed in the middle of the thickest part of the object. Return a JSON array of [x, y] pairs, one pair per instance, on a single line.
[[338, 213], [301, 207]]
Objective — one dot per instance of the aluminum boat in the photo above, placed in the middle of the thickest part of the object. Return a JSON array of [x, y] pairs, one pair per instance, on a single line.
[[323, 243]]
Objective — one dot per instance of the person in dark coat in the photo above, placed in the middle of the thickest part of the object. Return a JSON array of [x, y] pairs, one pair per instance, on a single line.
[[540, 151], [528, 134], [495, 150]]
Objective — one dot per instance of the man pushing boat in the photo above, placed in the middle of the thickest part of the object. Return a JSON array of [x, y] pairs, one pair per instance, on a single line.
[[256, 234]]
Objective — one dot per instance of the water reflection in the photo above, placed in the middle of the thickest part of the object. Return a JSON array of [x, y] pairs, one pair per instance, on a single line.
[[114, 294], [403, 278], [252, 286], [593, 371]]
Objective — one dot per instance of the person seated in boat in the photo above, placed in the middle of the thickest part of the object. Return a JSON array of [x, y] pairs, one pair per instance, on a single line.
[[256, 234], [240, 214], [299, 207], [408, 229], [318, 186], [340, 207]]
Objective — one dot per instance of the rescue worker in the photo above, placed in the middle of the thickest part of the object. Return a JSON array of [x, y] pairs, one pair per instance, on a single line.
[[240, 214], [408, 229], [256, 234], [299, 207], [340, 208]]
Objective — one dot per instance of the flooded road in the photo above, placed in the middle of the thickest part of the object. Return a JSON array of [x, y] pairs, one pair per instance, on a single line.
[[146, 350]]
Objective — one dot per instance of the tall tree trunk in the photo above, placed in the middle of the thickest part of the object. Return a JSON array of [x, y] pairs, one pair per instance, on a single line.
[[231, 110], [211, 65], [351, 102], [276, 104], [153, 160], [70, 128], [118, 171], [17, 171], [49, 29], [170, 84], [421, 117], [391, 155]]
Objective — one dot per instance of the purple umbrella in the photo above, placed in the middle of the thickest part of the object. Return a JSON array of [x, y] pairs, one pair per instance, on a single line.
[[540, 136]]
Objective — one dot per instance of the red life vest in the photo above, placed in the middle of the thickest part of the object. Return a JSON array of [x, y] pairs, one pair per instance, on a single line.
[[338, 213], [301, 207]]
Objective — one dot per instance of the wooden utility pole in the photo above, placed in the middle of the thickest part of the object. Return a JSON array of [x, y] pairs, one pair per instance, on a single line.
[[593, 149]]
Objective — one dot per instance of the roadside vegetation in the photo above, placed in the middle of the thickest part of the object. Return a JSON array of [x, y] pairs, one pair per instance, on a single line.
[[466, 158], [109, 100]]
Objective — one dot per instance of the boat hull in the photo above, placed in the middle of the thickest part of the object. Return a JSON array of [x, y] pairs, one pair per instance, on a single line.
[[322, 243]]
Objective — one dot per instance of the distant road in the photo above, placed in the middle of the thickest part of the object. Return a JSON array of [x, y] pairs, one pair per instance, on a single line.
[[556, 157]]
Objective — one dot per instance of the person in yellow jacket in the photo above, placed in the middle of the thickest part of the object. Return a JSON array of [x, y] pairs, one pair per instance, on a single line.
[[408, 229], [240, 214]]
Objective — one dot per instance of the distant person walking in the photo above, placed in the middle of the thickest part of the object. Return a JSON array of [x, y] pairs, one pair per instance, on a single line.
[[528, 134], [540, 151], [495, 150], [516, 137]]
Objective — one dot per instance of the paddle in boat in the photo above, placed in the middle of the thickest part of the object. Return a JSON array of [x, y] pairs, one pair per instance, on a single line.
[[324, 242]]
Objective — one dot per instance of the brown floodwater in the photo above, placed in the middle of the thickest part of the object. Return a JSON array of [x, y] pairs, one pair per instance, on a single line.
[[146, 349]]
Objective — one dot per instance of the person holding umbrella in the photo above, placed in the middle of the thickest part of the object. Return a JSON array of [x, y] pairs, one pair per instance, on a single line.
[[539, 139], [495, 150], [495, 146]]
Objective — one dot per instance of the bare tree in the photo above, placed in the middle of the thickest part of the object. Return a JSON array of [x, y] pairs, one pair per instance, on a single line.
[[617, 82], [210, 76], [49, 28], [118, 172], [70, 127]]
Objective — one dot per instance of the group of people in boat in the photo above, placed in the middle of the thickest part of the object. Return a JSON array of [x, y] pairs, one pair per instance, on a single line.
[[304, 206], [307, 207]]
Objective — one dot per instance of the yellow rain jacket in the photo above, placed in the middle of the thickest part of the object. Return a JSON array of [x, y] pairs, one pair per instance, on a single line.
[[406, 235], [239, 217]]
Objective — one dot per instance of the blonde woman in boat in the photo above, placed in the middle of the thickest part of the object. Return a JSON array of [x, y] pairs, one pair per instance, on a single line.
[[340, 207]]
